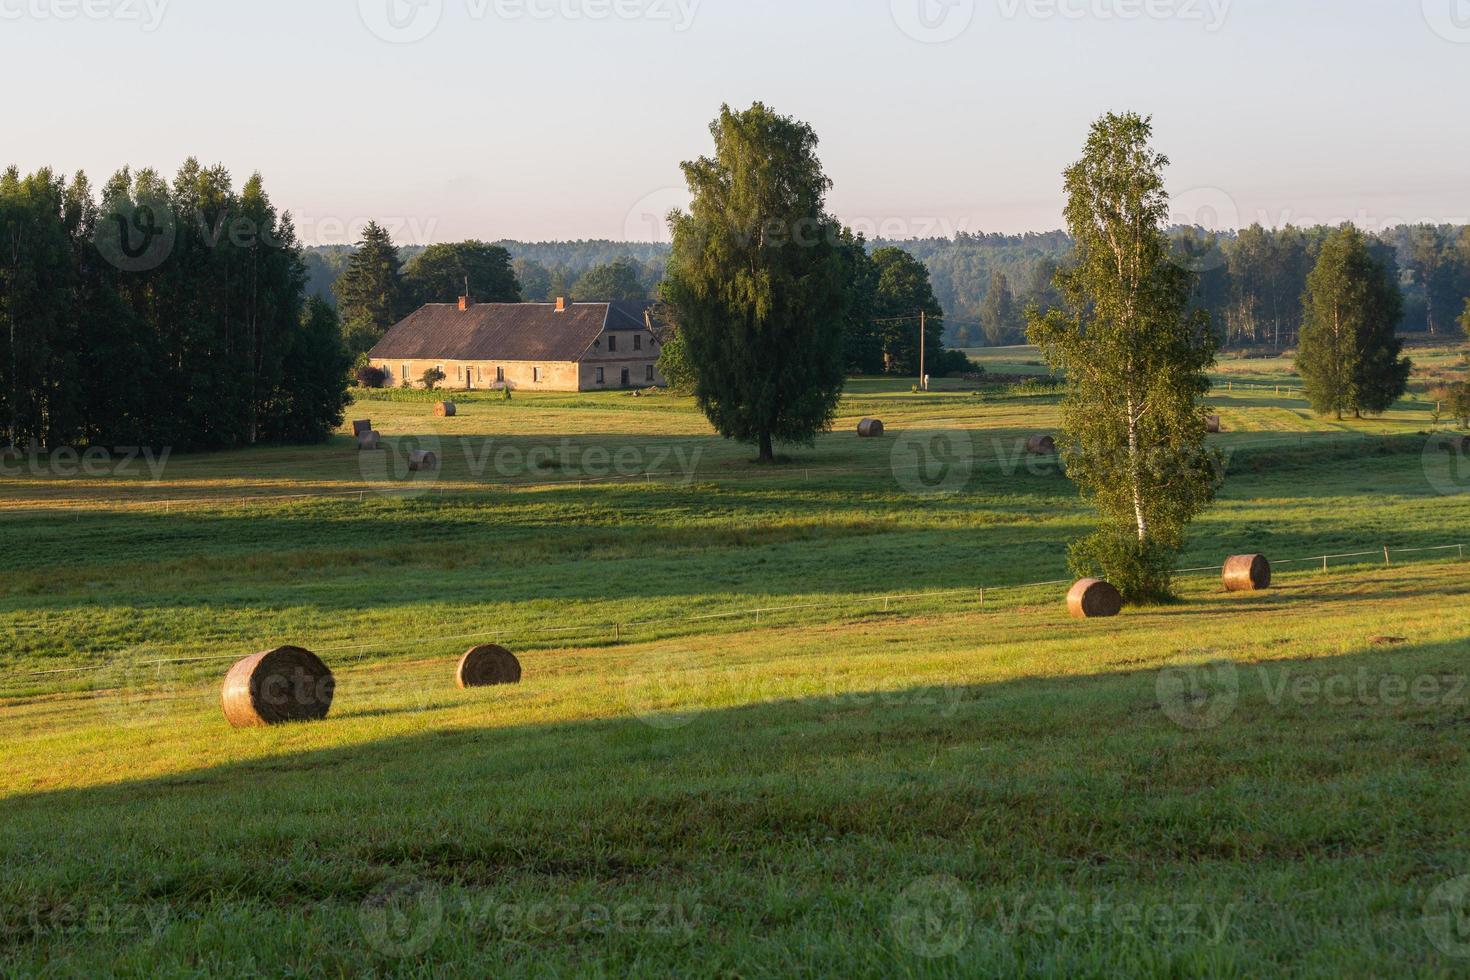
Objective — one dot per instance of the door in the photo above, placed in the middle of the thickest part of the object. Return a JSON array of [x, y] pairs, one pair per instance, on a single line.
[[625, 377]]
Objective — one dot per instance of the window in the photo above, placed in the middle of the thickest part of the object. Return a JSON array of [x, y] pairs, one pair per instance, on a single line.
[[404, 375], [536, 375], [600, 377], [500, 375], [650, 372], [480, 373], [637, 341], [612, 345]]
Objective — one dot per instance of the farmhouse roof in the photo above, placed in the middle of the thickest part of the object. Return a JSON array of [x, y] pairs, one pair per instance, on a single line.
[[506, 331]]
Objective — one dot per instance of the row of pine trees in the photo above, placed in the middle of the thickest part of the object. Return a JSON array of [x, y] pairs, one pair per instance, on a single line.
[[157, 314]]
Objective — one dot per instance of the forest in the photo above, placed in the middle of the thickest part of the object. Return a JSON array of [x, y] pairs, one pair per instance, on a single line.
[[156, 314], [1251, 282]]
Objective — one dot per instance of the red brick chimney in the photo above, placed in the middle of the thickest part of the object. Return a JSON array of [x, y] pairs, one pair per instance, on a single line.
[[465, 303], [561, 304]]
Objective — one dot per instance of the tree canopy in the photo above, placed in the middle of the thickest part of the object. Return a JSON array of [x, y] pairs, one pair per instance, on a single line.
[[617, 280], [158, 315], [439, 274], [1349, 352], [1135, 358], [758, 279], [370, 294]]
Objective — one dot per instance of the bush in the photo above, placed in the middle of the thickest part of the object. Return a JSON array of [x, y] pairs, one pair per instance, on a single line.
[[432, 378], [953, 362], [1457, 403], [1144, 573], [371, 377]]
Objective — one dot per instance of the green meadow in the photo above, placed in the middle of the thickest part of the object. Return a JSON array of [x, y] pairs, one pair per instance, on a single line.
[[825, 717]]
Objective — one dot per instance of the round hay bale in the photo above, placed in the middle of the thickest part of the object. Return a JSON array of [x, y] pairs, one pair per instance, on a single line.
[[370, 441], [278, 686], [362, 426], [422, 459], [1093, 598], [446, 410], [1212, 424], [1041, 446], [1247, 573], [870, 428], [487, 666]]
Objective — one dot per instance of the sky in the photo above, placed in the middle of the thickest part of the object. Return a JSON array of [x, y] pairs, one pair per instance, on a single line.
[[567, 119]]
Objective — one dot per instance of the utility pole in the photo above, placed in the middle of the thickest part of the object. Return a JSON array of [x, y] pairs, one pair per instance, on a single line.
[[923, 325]]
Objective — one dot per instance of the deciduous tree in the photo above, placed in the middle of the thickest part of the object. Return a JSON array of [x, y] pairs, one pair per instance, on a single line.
[[1349, 351], [1133, 418], [757, 278]]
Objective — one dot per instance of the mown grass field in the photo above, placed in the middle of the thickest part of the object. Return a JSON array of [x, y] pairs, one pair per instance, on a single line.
[[770, 723]]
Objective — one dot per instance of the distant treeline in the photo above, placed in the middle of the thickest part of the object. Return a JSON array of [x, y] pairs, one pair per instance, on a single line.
[[1251, 282], [156, 314], [545, 270]]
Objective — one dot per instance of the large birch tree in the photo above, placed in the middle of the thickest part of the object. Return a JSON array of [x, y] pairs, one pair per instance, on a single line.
[[1133, 419]]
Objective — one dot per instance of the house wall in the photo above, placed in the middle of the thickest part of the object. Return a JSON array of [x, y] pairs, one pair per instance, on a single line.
[[554, 375]]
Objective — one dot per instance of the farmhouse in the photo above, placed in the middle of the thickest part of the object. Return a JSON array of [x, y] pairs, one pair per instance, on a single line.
[[561, 346]]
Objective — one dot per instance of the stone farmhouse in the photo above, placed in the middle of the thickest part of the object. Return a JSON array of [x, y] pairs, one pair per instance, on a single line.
[[561, 346]]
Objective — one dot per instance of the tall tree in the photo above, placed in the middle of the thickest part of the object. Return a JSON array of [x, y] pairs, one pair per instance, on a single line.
[[862, 342], [998, 314], [440, 272], [904, 290], [1133, 418], [1349, 351], [757, 278], [1432, 264], [617, 280], [370, 294]]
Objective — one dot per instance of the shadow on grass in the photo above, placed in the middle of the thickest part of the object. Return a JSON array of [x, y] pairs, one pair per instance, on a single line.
[[1275, 792]]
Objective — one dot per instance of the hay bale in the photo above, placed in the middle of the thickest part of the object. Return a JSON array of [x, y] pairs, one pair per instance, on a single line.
[[422, 459], [370, 441], [446, 410], [487, 666], [278, 686], [870, 428], [1212, 424], [1041, 446], [1247, 573], [361, 427], [1093, 598]]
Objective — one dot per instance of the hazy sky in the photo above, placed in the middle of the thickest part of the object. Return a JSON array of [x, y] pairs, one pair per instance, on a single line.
[[539, 119]]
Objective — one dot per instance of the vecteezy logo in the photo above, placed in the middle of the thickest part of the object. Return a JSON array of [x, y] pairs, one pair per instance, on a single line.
[[1450, 19], [401, 21], [1447, 466], [939, 461], [404, 468], [933, 21], [402, 917], [136, 237], [1447, 918], [1209, 208], [648, 220], [135, 692], [666, 694], [933, 917], [1199, 696]]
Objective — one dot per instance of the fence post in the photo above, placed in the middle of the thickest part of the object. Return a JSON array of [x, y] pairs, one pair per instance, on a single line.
[[1387, 563], [1324, 563]]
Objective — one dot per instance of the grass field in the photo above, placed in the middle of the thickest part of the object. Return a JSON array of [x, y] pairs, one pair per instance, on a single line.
[[770, 722]]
